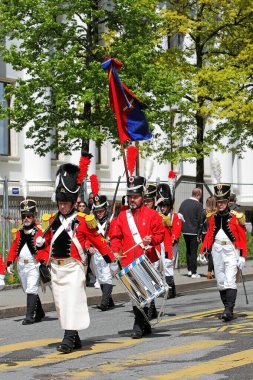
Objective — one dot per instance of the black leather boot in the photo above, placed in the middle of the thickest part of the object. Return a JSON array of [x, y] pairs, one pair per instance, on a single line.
[[227, 315], [106, 301], [172, 286], [39, 313], [31, 308], [146, 325], [152, 312], [138, 324], [70, 342]]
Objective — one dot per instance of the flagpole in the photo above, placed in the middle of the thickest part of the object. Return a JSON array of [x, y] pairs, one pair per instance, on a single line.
[[124, 158]]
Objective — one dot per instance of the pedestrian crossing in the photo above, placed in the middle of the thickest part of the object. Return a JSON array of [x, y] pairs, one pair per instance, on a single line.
[[121, 356]]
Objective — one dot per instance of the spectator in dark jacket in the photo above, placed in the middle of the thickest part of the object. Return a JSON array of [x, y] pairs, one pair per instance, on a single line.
[[192, 211]]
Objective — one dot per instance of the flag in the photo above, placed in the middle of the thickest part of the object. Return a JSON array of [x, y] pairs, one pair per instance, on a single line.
[[131, 120]]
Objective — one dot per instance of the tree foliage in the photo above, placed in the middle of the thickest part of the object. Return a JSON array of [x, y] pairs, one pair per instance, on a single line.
[[190, 60]]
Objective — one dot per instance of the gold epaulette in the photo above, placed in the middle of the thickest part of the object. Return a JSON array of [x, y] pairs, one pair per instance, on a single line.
[[90, 221], [166, 220], [45, 220], [240, 216], [81, 214], [13, 232], [209, 214]]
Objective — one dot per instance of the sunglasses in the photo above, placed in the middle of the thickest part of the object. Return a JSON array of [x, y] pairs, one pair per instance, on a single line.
[[28, 216]]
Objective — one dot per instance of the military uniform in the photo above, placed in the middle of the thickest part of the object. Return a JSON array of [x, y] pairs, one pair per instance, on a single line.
[[102, 269], [29, 257], [226, 240], [131, 227], [69, 233]]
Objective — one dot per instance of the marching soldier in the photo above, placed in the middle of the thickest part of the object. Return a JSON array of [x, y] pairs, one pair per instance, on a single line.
[[29, 257], [68, 234], [100, 267], [173, 224], [141, 229], [226, 240]]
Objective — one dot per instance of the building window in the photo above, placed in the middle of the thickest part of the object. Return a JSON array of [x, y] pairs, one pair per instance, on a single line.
[[4, 130]]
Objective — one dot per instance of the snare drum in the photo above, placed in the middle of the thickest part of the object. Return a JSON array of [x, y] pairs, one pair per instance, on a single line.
[[142, 281]]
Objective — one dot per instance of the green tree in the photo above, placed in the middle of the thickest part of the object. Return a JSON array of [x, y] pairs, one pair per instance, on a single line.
[[61, 45], [208, 62]]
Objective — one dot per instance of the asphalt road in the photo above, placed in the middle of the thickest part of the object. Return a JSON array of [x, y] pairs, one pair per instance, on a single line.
[[190, 342]]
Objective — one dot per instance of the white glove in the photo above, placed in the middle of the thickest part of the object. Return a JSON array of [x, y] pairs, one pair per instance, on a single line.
[[202, 258], [241, 262], [114, 266], [10, 269], [40, 241], [2, 282]]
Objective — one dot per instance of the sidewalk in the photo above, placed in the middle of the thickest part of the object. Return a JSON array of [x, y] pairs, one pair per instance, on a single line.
[[13, 299]]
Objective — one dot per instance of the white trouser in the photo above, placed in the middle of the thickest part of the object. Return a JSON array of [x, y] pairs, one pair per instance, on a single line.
[[29, 276], [101, 269], [169, 267], [225, 259]]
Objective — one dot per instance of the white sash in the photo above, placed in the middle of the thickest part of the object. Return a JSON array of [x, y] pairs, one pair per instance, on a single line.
[[101, 228], [65, 226], [134, 230]]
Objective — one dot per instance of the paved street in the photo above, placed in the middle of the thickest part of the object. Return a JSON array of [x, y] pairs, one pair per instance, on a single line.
[[189, 343]]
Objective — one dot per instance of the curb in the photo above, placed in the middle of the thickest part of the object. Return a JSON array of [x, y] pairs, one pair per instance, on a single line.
[[182, 289]]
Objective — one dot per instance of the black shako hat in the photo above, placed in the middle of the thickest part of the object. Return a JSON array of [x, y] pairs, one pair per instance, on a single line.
[[28, 206], [222, 191], [163, 191], [100, 202], [66, 183], [150, 191], [135, 185]]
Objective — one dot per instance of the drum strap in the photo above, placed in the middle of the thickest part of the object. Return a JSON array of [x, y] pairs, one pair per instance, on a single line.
[[133, 228]]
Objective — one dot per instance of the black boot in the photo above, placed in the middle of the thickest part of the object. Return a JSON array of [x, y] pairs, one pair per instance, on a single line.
[[138, 324], [31, 308], [223, 296], [152, 312], [172, 286], [227, 315], [106, 301], [39, 313], [70, 342], [146, 325]]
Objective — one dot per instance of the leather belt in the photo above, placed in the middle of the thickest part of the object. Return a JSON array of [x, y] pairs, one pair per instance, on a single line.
[[223, 242], [26, 261], [62, 262]]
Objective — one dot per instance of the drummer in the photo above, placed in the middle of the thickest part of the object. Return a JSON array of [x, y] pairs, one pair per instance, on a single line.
[[141, 228]]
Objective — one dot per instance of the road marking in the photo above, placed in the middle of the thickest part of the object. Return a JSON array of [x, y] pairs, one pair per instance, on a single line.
[[29, 344], [144, 359], [213, 366], [58, 357], [195, 316]]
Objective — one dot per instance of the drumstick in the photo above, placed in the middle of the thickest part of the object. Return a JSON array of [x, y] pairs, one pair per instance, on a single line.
[[129, 249]]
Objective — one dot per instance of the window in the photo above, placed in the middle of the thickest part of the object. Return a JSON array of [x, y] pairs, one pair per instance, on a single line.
[[4, 130]]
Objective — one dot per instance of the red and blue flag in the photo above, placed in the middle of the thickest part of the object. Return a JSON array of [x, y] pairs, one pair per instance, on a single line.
[[131, 120]]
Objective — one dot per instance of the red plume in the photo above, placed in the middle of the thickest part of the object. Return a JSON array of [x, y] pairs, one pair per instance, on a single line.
[[171, 175], [131, 156], [94, 184], [83, 166]]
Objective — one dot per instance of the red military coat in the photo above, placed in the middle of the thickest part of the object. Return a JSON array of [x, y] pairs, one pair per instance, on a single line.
[[85, 236], [148, 222], [2, 265], [176, 227], [235, 230], [39, 253]]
